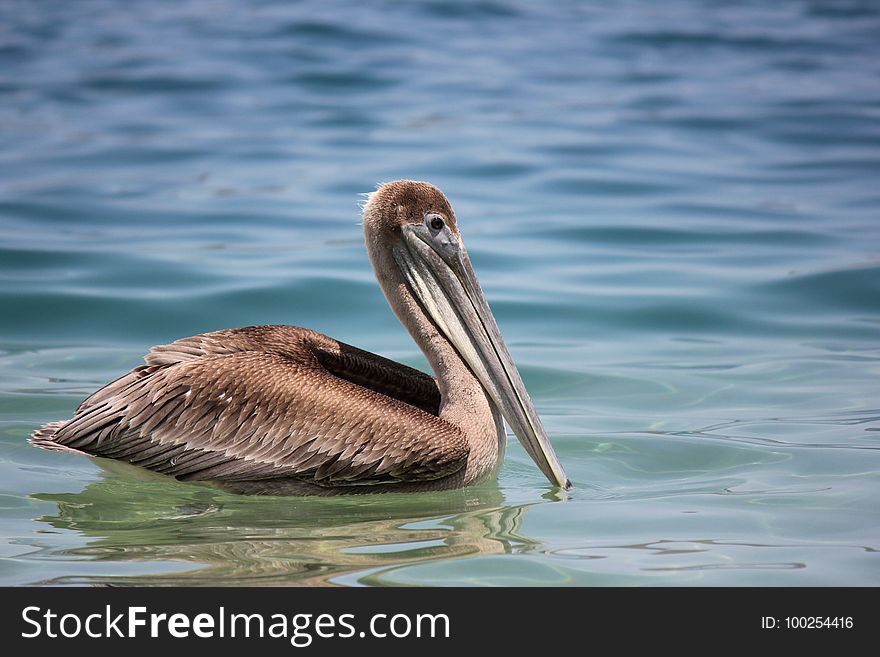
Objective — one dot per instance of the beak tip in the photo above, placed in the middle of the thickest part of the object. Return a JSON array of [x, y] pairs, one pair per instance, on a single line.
[[567, 484]]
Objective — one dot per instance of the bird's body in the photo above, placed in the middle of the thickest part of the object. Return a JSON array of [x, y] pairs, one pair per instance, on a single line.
[[274, 409], [286, 410]]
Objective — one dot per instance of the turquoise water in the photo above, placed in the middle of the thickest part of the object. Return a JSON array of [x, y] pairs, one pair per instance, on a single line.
[[672, 208]]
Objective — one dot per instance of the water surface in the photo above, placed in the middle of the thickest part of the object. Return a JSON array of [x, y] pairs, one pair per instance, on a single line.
[[673, 211]]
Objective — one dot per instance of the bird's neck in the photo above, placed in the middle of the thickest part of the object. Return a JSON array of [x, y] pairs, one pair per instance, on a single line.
[[463, 401]]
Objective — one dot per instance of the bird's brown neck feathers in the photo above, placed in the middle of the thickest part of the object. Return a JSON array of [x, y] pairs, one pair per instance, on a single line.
[[464, 402]]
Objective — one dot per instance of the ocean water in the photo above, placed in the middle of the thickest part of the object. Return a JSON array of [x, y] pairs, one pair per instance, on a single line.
[[673, 209]]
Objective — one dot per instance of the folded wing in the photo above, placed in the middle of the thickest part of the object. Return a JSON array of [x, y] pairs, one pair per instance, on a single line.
[[266, 403]]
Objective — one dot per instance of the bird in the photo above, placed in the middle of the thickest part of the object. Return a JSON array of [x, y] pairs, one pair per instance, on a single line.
[[284, 410]]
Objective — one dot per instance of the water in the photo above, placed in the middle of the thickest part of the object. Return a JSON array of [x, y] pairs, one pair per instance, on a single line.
[[673, 211]]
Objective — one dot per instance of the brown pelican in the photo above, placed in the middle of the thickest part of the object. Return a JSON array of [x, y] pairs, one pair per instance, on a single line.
[[286, 410]]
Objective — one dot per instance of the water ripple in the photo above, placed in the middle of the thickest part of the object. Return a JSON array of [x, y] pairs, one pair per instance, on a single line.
[[673, 213]]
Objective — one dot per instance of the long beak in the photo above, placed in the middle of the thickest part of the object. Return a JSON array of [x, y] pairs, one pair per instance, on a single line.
[[440, 274]]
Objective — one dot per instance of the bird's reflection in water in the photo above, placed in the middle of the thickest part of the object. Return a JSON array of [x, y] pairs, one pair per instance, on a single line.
[[238, 540]]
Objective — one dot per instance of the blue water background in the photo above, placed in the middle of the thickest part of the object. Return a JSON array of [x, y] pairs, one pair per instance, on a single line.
[[672, 208]]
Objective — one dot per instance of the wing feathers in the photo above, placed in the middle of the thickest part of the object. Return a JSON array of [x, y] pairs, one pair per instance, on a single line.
[[268, 402]]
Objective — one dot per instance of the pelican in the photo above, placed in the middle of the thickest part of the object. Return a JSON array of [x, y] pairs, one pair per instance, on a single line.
[[283, 410]]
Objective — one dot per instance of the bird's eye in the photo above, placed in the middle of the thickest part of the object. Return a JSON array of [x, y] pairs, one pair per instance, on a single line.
[[435, 222]]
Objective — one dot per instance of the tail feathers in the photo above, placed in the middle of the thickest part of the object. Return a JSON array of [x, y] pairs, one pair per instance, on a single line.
[[44, 437]]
